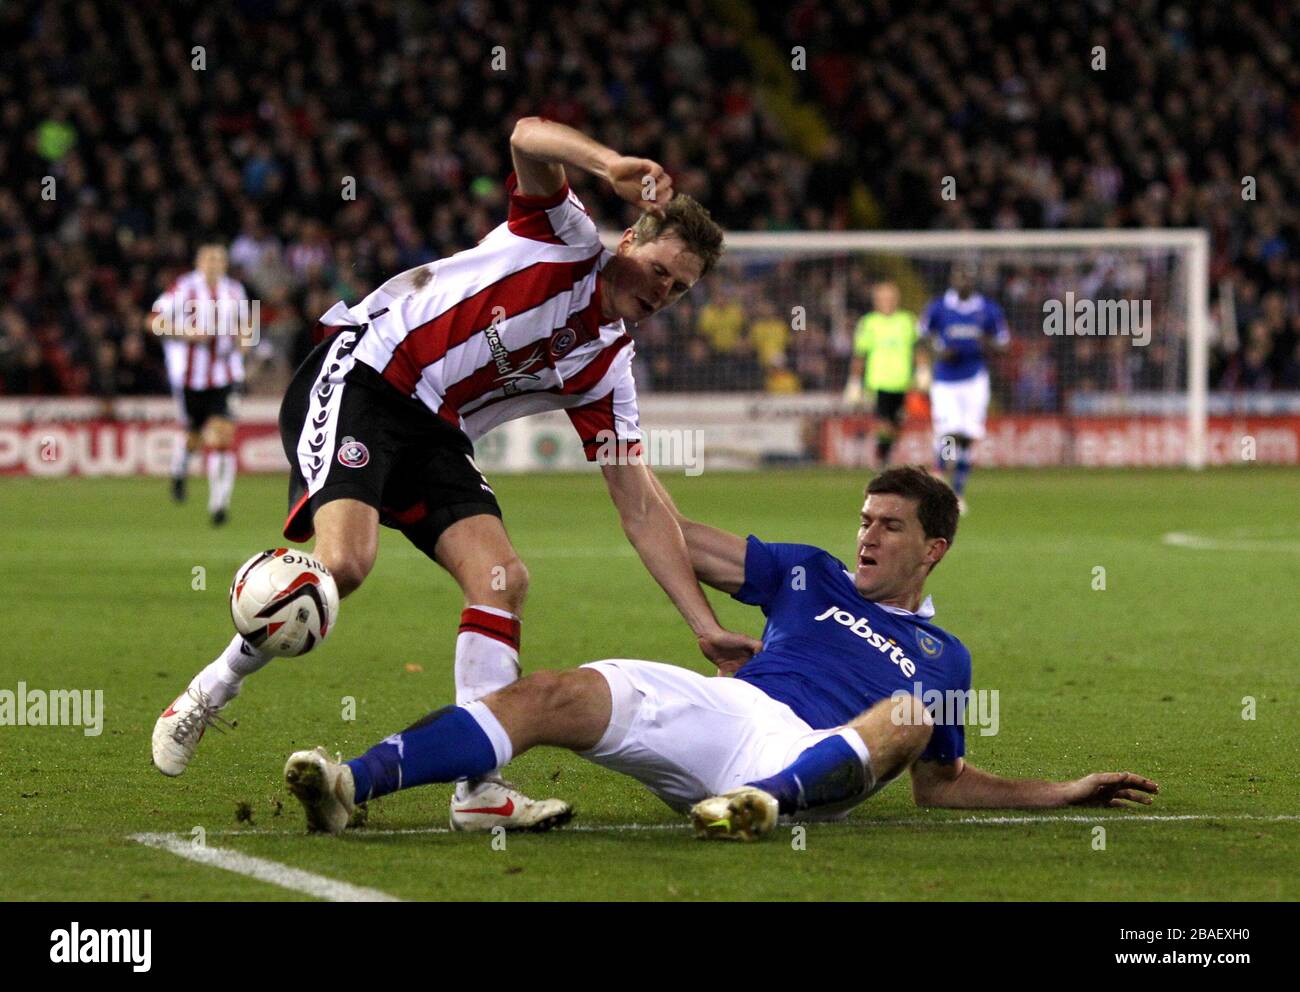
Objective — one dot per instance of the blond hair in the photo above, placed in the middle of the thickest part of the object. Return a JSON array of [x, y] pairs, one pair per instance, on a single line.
[[688, 219]]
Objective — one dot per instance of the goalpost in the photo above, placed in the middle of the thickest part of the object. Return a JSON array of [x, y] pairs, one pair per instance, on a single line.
[[1132, 351]]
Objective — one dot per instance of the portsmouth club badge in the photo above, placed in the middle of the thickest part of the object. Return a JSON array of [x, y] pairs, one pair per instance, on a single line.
[[352, 453], [932, 647], [562, 342]]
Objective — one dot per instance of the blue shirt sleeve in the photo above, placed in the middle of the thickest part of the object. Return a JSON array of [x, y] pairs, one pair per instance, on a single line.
[[947, 744], [767, 566], [948, 741]]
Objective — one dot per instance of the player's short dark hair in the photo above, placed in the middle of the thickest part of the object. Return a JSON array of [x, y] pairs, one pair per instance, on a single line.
[[689, 219], [936, 503]]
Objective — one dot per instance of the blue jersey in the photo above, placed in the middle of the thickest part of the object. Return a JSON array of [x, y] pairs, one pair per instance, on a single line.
[[829, 654], [958, 325]]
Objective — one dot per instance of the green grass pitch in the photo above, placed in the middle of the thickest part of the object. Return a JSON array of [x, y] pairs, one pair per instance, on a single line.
[[1150, 674]]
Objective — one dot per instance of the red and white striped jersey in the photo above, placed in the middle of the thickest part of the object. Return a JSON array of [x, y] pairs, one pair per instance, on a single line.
[[508, 328], [201, 346]]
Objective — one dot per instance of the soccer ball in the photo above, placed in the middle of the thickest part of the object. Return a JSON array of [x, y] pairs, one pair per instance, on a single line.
[[283, 602]]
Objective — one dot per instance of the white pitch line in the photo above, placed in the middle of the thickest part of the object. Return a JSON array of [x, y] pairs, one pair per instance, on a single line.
[[1116, 816], [583, 828], [1198, 542], [263, 870]]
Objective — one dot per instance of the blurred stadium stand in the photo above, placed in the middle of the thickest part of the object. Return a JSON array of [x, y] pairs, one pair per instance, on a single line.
[[150, 157]]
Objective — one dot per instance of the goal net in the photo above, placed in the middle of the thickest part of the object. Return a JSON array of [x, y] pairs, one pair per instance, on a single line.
[[1107, 363]]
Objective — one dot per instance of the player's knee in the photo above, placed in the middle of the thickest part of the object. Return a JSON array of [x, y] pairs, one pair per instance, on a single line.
[[545, 690], [910, 724], [504, 585], [556, 694], [349, 567], [556, 708], [516, 580], [915, 738], [213, 436]]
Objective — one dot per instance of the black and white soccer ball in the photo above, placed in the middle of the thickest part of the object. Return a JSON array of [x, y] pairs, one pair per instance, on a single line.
[[284, 602]]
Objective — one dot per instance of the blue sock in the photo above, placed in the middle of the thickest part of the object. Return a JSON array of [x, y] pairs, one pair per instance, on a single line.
[[828, 772], [963, 472], [446, 745]]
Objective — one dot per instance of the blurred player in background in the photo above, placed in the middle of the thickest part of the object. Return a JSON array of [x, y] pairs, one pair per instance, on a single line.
[[959, 325], [199, 318], [379, 422], [884, 348]]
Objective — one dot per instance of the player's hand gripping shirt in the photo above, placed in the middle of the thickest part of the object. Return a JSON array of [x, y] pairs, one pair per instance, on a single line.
[[829, 654], [959, 325], [508, 328]]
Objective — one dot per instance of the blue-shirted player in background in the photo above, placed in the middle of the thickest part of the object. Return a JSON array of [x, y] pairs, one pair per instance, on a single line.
[[826, 714], [958, 327]]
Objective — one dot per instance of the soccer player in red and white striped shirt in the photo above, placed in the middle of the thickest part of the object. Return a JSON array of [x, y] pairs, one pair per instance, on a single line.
[[201, 318], [380, 420]]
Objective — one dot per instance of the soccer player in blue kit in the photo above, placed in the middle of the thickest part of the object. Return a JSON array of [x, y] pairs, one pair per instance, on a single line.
[[824, 716], [958, 326]]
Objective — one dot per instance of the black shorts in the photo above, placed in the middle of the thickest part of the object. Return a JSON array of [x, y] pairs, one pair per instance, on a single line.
[[348, 434], [198, 406], [889, 406]]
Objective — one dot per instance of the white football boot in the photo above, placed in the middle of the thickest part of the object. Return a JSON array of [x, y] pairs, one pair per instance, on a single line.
[[491, 802], [178, 731], [325, 788], [741, 814]]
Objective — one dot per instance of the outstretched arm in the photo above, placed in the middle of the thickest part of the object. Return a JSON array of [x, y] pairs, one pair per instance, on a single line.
[[541, 149], [717, 556], [961, 785], [652, 527]]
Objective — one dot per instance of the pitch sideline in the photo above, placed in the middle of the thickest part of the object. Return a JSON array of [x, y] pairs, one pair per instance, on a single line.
[[1200, 542], [1102, 816], [272, 872], [333, 890]]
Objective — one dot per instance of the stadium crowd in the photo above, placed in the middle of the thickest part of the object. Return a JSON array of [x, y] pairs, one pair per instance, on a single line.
[[1147, 113], [331, 144]]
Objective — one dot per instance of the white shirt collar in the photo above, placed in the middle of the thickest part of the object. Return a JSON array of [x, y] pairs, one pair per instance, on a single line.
[[969, 305], [923, 612]]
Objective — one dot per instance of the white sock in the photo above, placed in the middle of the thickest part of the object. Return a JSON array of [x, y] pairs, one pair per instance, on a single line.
[[221, 479], [487, 659], [222, 679], [214, 481], [490, 725], [226, 476], [181, 459], [487, 652]]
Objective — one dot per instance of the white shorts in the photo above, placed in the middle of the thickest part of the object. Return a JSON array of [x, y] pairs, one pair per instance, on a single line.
[[687, 736], [960, 407]]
